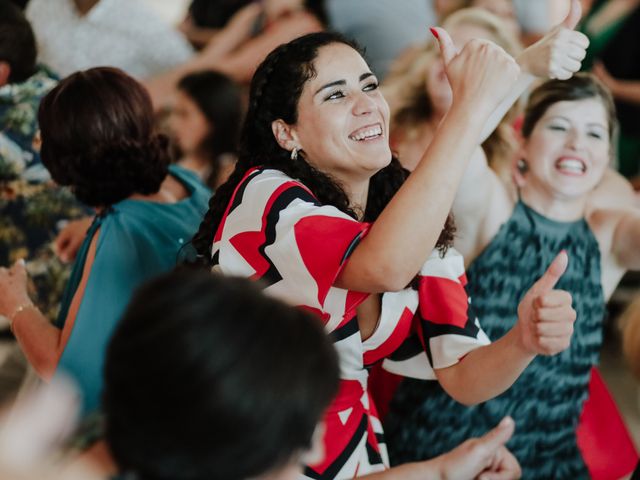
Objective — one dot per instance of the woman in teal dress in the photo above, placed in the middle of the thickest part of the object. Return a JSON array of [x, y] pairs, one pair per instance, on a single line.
[[565, 151], [98, 139]]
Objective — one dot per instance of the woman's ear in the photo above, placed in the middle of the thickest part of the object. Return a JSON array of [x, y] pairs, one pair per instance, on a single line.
[[284, 135]]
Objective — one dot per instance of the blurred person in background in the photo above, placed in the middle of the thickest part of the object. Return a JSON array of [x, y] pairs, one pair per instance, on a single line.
[[420, 95], [79, 34], [565, 150], [205, 123], [32, 208], [613, 26], [98, 138], [385, 28]]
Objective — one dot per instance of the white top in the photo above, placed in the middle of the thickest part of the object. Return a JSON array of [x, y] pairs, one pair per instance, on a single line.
[[118, 33]]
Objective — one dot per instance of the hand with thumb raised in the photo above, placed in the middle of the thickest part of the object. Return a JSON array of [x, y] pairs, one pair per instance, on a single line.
[[485, 458], [480, 74], [560, 52], [545, 315]]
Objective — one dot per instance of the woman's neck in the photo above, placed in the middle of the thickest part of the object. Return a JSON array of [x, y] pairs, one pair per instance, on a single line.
[[553, 206], [358, 193], [171, 191]]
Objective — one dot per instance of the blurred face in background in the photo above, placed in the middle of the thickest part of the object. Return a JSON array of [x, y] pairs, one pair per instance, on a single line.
[[503, 9], [567, 152], [188, 124]]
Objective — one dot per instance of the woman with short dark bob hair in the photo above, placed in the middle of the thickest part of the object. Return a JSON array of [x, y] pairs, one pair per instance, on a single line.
[[98, 139], [245, 377]]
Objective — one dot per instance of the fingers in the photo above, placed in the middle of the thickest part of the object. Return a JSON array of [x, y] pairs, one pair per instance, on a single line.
[[579, 40], [447, 48], [576, 53], [555, 327], [554, 298], [552, 275], [574, 15], [18, 270], [506, 467], [499, 435]]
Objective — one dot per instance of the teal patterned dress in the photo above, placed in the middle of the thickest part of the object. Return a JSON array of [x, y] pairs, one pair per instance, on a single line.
[[547, 399]]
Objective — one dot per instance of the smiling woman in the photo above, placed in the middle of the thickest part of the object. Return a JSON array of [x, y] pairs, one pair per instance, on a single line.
[[565, 150], [320, 212]]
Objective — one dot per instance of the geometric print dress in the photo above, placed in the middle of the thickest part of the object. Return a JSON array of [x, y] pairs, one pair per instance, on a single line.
[[275, 231]]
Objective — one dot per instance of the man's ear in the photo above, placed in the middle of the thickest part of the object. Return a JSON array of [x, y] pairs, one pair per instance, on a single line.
[[285, 135], [5, 73]]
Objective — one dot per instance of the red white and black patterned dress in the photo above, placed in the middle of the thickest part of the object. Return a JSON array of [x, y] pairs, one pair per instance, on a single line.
[[275, 231]]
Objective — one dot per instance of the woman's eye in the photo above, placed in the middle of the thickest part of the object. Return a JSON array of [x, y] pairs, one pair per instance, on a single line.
[[558, 128], [597, 135], [335, 95], [370, 86]]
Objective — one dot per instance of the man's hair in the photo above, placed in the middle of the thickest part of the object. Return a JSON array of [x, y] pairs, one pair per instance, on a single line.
[[207, 378]]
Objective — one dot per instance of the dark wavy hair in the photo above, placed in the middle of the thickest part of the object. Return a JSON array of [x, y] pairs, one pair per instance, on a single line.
[[274, 94], [17, 42], [98, 137], [219, 99], [207, 378]]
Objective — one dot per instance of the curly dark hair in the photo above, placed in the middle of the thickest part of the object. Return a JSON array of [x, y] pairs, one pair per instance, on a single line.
[[274, 94], [98, 137]]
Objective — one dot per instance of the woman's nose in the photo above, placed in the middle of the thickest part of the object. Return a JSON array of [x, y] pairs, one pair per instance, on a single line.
[[575, 139], [363, 104]]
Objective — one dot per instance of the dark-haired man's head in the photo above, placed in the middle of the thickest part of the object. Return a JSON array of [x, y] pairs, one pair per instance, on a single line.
[[207, 378], [17, 45]]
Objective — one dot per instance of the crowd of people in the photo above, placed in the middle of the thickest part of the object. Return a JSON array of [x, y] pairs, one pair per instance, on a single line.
[[249, 246]]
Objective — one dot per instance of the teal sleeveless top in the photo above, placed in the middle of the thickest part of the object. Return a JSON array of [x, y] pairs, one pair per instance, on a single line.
[[137, 241], [547, 399]]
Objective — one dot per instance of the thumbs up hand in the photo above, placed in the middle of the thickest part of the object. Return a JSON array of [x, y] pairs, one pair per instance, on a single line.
[[545, 316], [560, 52], [480, 75]]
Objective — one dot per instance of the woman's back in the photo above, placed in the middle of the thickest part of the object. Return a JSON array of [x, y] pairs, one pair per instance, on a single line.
[[137, 240]]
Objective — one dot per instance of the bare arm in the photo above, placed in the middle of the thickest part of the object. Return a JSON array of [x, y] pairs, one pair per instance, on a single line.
[[161, 87], [625, 90], [402, 238], [485, 455], [556, 55], [242, 62], [626, 239], [42, 342], [483, 202], [544, 326]]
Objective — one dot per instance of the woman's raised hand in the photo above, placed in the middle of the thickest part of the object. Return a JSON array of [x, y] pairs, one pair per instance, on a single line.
[[545, 315], [480, 75], [484, 458], [560, 52]]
